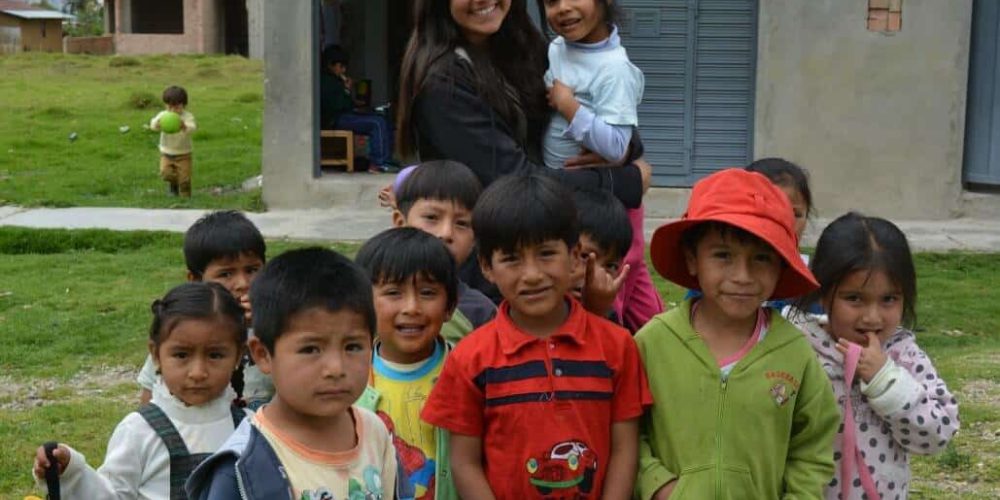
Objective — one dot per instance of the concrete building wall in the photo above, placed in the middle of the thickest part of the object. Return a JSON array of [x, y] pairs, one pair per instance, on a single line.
[[877, 119], [96, 45], [290, 131], [255, 28], [202, 26]]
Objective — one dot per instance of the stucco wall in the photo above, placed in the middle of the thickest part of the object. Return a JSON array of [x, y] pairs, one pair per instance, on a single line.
[[877, 119], [255, 27], [290, 111]]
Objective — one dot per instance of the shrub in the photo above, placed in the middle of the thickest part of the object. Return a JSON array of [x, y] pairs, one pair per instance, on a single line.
[[142, 100], [122, 61]]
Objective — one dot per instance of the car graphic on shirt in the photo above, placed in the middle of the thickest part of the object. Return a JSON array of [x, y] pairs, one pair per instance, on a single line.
[[567, 470]]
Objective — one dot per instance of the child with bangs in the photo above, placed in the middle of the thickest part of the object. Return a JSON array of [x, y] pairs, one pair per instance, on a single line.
[[894, 401], [544, 400], [415, 291], [223, 247], [196, 340], [743, 408], [438, 197]]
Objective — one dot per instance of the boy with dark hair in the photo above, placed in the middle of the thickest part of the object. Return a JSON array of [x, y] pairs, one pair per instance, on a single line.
[[726, 370], [175, 147], [414, 286], [337, 109], [227, 248], [544, 399], [605, 237], [314, 322], [438, 197]]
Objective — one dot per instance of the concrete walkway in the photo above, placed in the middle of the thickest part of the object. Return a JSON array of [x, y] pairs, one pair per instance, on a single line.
[[357, 224]]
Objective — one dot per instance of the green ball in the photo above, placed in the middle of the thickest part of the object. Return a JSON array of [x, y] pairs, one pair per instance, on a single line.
[[170, 122]]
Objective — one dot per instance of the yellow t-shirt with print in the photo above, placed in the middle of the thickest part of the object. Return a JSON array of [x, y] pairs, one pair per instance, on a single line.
[[404, 390], [369, 469]]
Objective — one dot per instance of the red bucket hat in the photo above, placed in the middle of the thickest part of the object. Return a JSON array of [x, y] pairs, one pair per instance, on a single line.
[[746, 200]]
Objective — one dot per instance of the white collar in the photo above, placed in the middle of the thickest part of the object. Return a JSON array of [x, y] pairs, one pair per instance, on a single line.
[[204, 413]]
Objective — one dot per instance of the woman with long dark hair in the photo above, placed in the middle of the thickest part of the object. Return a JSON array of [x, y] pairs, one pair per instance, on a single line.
[[472, 91]]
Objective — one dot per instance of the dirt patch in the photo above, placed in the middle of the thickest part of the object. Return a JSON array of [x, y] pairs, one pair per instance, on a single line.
[[21, 394], [982, 392]]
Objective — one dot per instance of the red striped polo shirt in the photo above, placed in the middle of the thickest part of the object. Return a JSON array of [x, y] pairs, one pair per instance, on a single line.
[[543, 406]]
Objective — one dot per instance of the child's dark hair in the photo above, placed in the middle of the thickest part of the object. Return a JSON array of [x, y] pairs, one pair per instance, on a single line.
[[303, 279], [195, 300], [444, 180], [694, 234], [198, 300], [784, 173], [399, 254], [174, 95], [334, 54], [603, 218], [854, 242], [521, 210], [222, 234], [612, 14]]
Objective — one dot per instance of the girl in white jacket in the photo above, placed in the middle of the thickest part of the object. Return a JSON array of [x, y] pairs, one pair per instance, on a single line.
[[892, 400], [196, 341]]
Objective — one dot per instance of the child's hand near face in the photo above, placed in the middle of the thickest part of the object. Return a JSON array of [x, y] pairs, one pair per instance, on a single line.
[[599, 287], [245, 304], [61, 453], [872, 357]]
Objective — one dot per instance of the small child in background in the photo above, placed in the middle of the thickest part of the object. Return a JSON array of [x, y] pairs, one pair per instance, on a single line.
[[438, 197], [414, 284], [313, 324], [743, 408], [793, 180], [227, 248], [605, 238], [175, 147], [544, 400], [896, 404], [196, 341], [339, 109]]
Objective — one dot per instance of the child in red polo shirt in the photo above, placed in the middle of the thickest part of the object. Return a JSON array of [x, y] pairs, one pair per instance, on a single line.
[[543, 400]]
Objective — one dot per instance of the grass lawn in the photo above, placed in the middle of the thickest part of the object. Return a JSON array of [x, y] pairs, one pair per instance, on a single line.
[[72, 342], [47, 97]]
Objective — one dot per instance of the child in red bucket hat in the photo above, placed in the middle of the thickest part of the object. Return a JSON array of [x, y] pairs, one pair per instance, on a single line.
[[742, 407]]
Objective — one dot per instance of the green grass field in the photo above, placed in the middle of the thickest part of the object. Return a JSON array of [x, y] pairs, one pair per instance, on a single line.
[[47, 97], [73, 312]]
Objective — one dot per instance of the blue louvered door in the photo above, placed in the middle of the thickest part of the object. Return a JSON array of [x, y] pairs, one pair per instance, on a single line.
[[699, 59], [982, 127]]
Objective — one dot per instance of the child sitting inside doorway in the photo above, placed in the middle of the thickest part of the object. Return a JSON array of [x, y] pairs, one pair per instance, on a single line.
[[338, 110]]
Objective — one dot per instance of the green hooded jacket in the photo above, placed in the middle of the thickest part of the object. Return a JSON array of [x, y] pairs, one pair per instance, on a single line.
[[764, 432]]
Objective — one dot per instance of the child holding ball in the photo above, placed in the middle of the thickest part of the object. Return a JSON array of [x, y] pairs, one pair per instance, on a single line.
[[175, 125]]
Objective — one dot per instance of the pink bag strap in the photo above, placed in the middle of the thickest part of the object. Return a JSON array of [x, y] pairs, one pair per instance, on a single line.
[[849, 446]]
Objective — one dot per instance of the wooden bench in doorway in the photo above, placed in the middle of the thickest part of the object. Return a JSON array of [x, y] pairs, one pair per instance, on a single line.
[[336, 148]]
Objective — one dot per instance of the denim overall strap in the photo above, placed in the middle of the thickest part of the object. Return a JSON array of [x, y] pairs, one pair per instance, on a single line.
[[182, 463]]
